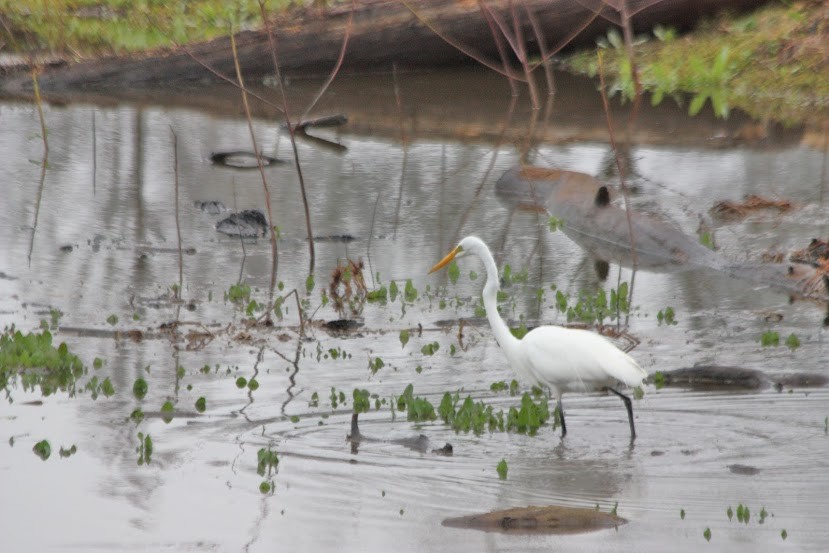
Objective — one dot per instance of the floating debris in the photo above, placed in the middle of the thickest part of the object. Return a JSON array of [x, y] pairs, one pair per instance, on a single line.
[[744, 470], [212, 207], [553, 519], [731, 210], [250, 223], [241, 159]]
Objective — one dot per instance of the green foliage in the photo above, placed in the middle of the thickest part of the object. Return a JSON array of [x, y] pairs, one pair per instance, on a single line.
[[265, 487], [97, 363], [502, 469], [666, 316], [315, 400], [417, 409], [770, 338], [137, 416], [707, 534], [682, 514], [361, 404], [410, 292], [144, 449], [393, 291], [37, 363], [238, 293], [42, 449], [375, 364], [454, 272], [706, 238], [792, 342], [711, 82], [784, 534], [664, 34], [309, 284], [555, 224], [430, 349], [253, 385], [659, 380], [380, 295], [519, 332], [266, 461], [241, 382], [201, 404], [478, 417], [112, 319], [404, 338], [64, 453], [139, 388]]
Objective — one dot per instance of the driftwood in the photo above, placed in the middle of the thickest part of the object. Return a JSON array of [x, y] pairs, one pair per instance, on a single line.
[[382, 33]]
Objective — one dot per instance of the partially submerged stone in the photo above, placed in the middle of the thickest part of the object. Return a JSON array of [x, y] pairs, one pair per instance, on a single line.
[[715, 377], [552, 519]]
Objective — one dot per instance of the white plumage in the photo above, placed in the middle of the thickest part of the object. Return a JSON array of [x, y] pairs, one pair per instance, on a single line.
[[561, 359]]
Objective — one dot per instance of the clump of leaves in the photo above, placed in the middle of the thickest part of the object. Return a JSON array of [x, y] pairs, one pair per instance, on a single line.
[[707, 534], [266, 461], [792, 342], [659, 380], [666, 316], [42, 449], [201, 404], [362, 403], [770, 338], [529, 417], [67, 452], [379, 296], [144, 449], [375, 364], [404, 338], [34, 359], [417, 409], [238, 293], [430, 349], [502, 469]]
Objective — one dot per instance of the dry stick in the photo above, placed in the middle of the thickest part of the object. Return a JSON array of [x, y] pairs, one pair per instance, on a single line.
[[178, 225], [568, 39], [634, 70], [292, 133], [339, 63], [274, 252], [499, 44], [44, 163], [522, 55], [621, 175], [94, 155], [515, 41], [542, 49], [405, 148], [229, 80], [460, 47]]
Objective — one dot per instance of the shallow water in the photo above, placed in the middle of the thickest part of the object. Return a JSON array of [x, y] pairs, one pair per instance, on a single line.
[[98, 237]]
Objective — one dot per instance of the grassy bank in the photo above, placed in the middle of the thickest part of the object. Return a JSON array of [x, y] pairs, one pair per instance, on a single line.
[[772, 63], [89, 27]]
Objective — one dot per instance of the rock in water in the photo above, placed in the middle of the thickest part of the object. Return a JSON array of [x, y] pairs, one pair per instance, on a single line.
[[250, 223]]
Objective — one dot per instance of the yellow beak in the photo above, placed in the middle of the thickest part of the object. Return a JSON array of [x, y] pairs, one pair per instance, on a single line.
[[446, 260]]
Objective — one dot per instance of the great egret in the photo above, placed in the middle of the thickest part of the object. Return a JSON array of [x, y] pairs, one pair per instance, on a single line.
[[562, 359]]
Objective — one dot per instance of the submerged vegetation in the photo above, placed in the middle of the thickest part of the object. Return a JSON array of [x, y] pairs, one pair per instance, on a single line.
[[772, 63]]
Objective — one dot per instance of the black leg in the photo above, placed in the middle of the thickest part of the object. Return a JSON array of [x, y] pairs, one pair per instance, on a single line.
[[629, 407], [561, 416]]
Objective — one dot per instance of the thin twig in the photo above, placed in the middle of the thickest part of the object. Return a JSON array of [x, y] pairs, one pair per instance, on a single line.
[[178, 225], [542, 49], [405, 142], [339, 63], [291, 132], [568, 39], [627, 31], [460, 47], [274, 252], [43, 164], [499, 45], [522, 55], [618, 161]]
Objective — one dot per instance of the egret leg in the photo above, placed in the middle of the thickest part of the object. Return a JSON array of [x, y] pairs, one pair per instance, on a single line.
[[561, 416], [629, 407]]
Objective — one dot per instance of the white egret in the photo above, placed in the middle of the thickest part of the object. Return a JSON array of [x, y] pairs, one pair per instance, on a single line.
[[561, 359]]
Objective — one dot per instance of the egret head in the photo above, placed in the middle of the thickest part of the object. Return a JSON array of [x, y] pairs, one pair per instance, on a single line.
[[470, 244]]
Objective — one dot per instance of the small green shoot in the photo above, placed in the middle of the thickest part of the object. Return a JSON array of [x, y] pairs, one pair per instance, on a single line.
[[555, 224], [112, 319], [139, 388], [502, 469], [707, 534], [770, 338], [792, 342], [410, 292], [42, 449], [375, 364]]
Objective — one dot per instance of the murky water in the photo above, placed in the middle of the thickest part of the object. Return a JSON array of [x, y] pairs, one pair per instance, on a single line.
[[97, 237]]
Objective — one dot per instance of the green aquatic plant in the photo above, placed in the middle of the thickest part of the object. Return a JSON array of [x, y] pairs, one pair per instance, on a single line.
[[682, 514], [97, 363], [68, 452], [144, 449], [454, 272], [253, 385], [42, 449], [792, 342], [659, 380], [707, 534], [361, 403], [666, 316], [167, 411], [241, 382], [555, 224], [417, 409], [770, 338], [730, 513], [393, 291], [404, 338], [137, 416], [430, 348], [315, 400], [201, 404], [112, 319], [378, 296], [375, 364], [33, 360], [410, 292], [784, 534], [502, 469], [238, 293]]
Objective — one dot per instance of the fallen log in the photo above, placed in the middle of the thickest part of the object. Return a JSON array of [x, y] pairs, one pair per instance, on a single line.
[[381, 33]]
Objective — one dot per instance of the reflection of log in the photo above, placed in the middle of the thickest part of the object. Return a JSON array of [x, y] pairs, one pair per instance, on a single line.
[[383, 32]]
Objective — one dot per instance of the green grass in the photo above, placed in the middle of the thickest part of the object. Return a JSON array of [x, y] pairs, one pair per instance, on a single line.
[[768, 63], [116, 26]]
